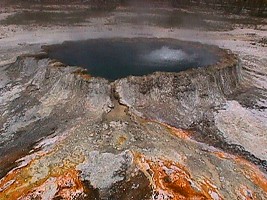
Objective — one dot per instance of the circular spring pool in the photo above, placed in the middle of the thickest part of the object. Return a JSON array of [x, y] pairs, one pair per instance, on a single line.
[[121, 57]]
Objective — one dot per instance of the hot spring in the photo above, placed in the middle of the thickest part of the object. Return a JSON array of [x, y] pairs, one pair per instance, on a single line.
[[117, 58]]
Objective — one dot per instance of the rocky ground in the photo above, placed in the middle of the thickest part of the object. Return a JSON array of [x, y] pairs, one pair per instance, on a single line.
[[198, 134]]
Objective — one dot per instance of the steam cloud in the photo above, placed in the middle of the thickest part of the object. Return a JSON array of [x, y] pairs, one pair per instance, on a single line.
[[166, 54]]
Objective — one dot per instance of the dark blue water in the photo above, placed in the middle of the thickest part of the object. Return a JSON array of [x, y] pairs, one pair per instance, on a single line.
[[117, 58]]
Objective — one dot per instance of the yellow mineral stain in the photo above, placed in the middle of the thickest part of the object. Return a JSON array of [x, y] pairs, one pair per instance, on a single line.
[[83, 74], [69, 184], [64, 186], [20, 186], [210, 190], [253, 173], [183, 134], [172, 180], [57, 64], [221, 155], [178, 132], [250, 170], [246, 194], [20, 182], [121, 140]]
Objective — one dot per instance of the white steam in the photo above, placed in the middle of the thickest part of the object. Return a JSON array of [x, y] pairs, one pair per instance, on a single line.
[[165, 54]]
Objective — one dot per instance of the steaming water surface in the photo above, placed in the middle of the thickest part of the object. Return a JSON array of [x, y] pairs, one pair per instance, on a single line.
[[117, 58], [167, 55]]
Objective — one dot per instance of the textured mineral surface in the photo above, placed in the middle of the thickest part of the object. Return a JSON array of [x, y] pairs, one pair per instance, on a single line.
[[195, 134]]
